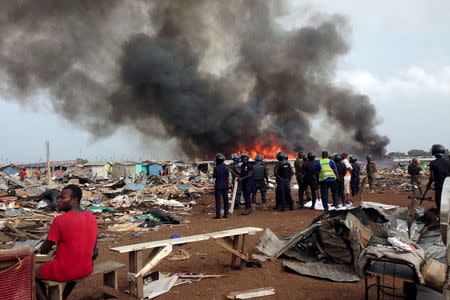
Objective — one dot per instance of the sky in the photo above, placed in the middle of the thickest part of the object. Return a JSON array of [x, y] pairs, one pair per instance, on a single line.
[[399, 57]]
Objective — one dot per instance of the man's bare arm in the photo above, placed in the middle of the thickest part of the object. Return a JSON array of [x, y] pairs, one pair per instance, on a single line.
[[46, 247]]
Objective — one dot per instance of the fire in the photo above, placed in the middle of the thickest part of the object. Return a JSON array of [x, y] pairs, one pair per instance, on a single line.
[[268, 148]]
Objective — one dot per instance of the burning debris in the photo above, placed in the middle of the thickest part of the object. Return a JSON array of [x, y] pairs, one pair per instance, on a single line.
[[215, 75]]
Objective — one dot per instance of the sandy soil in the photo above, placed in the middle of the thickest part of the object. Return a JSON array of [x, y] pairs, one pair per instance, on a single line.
[[206, 257]]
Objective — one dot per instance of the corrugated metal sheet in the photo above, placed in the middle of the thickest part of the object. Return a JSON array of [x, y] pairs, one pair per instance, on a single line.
[[333, 272]]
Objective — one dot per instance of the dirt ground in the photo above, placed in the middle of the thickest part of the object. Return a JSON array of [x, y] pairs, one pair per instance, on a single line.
[[209, 258]]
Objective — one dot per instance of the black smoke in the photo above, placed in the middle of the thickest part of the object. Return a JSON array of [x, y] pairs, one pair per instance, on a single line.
[[213, 74]]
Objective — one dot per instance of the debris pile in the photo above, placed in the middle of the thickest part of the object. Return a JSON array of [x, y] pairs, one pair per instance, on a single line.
[[341, 244]]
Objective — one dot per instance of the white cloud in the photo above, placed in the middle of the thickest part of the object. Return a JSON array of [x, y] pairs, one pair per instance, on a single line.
[[414, 82]]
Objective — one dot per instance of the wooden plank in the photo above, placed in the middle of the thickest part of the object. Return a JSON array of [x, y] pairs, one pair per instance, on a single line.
[[233, 197], [235, 246], [227, 247], [187, 239], [251, 293], [243, 249], [135, 264], [163, 252]]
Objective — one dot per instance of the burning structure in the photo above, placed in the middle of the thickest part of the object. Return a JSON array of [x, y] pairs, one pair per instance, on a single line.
[[215, 75]]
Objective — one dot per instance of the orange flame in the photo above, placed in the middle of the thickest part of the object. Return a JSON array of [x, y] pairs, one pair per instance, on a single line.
[[268, 148]]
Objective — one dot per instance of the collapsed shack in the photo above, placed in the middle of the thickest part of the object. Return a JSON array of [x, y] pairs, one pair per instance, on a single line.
[[341, 245]]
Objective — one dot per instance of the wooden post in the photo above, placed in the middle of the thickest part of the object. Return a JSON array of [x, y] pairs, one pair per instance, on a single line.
[[242, 249], [135, 265], [235, 247]]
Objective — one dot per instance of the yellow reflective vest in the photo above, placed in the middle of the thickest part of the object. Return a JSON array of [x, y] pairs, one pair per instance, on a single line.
[[325, 170]]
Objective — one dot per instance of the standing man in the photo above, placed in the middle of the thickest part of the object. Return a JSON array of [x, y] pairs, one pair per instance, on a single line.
[[414, 171], [347, 177], [23, 174], [310, 179], [234, 170], [38, 174], [260, 179], [299, 175], [75, 236], [283, 173], [371, 169], [341, 170], [356, 170], [327, 175], [221, 176], [245, 178], [439, 170]]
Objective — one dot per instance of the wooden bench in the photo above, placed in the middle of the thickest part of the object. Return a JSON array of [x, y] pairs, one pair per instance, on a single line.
[[227, 239], [110, 285]]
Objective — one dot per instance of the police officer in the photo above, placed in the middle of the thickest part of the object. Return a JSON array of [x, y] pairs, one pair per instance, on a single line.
[[414, 171], [234, 170], [371, 169], [341, 170], [299, 174], [221, 176], [260, 179], [310, 179], [283, 173], [439, 170], [356, 170], [327, 174], [245, 177]]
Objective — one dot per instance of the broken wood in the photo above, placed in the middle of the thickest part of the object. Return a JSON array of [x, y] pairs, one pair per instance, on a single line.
[[229, 248], [233, 197], [251, 293], [357, 200], [154, 259]]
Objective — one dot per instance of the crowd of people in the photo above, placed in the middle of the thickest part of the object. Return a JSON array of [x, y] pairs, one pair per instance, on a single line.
[[338, 175]]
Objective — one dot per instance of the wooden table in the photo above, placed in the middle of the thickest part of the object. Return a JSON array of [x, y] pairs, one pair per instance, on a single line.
[[232, 240]]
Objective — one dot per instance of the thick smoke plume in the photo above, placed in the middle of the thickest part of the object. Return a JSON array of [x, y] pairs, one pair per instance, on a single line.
[[216, 75]]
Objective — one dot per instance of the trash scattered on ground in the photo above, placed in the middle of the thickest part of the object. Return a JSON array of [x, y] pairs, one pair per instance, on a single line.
[[253, 293]]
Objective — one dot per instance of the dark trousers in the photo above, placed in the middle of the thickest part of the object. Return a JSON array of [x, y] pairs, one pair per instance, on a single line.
[[340, 190], [259, 185], [354, 185], [438, 195], [284, 190], [220, 195], [312, 185], [246, 191], [371, 181], [324, 187]]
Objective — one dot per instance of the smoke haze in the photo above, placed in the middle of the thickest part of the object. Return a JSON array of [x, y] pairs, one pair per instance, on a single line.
[[215, 75]]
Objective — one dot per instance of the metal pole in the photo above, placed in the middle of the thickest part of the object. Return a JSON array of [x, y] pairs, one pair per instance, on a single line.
[[49, 171]]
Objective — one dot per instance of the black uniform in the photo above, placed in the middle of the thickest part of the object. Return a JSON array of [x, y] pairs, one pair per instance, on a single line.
[[234, 170], [245, 169], [283, 173], [441, 169], [342, 170], [221, 175], [309, 180], [260, 179], [354, 181]]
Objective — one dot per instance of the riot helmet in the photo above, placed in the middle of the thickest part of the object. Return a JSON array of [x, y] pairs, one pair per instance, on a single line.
[[220, 158], [437, 150], [259, 157], [311, 156], [337, 157]]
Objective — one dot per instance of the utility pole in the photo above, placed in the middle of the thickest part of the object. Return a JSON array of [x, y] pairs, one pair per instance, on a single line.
[[49, 171]]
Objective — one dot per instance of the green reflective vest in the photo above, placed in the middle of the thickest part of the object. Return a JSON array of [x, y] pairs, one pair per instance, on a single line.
[[325, 170]]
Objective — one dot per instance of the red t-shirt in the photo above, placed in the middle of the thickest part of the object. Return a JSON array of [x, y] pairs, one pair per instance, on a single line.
[[22, 174], [75, 234]]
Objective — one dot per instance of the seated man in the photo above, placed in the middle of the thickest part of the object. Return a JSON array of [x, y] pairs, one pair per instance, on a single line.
[[75, 235]]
